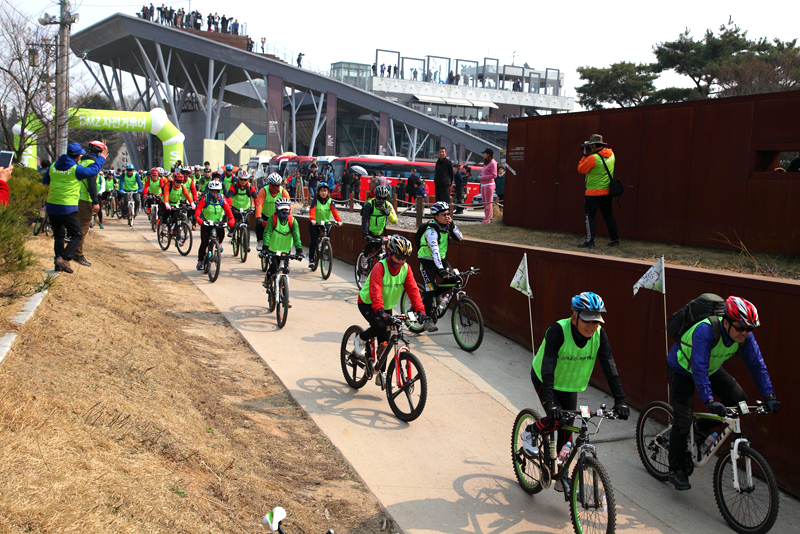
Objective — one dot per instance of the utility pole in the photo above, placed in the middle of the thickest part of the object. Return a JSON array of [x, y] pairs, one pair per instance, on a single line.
[[64, 21]]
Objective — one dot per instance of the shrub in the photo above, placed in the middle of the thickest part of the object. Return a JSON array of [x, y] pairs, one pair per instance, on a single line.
[[26, 193], [14, 257]]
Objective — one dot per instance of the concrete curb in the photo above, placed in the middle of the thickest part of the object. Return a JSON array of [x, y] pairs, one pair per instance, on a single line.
[[20, 319]]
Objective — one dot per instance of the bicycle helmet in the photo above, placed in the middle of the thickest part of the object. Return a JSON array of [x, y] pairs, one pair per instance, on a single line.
[[177, 177], [95, 147], [197, 168], [215, 185], [155, 171], [740, 310], [588, 306], [228, 167], [382, 192], [439, 207], [325, 185], [283, 204], [275, 179], [399, 245], [129, 167], [242, 175]]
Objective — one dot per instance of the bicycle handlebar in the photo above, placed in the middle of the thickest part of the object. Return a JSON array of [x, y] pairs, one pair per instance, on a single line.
[[281, 255], [603, 412]]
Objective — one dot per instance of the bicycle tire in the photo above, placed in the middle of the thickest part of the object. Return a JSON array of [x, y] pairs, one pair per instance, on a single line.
[[405, 307], [466, 319], [109, 207], [214, 262], [361, 273], [749, 501], [326, 259], [244, 245], [37, 226], [118, 210], [184, 237], [264, 262], [652, 438], [282, 302], [527, 470], [164, 236], [270, 293], [235, 242], [153, 218], [353, 366], [592, 507], [406, 391]]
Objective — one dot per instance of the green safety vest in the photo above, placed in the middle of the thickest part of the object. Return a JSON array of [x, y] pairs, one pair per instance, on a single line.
[[241, 198], [213, 211], [718, 355], [377, 221], [154, 187], [226, 183], [597, 178], [268, 208], [322, 212], [392, 286], [85, 196], [64, 186], [281, 239], [575, 364], [424, 251], [175, 195], [129, 183]]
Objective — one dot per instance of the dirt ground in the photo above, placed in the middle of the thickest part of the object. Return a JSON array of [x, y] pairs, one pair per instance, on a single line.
[[129, 404]]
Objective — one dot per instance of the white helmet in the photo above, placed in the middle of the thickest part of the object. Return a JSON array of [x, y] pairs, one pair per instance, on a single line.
[[275, 179], [215, 185], [283, 204], [242, 175]]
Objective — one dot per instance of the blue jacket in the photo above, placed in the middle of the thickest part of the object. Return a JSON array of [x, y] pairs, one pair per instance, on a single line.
[[64, 163]]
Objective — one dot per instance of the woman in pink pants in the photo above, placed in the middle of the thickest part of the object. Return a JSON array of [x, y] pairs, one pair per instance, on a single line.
[[488, 174]]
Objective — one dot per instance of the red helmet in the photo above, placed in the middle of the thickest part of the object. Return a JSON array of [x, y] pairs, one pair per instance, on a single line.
[[740, 310], [96, 147], [178, 177], [155, 171]]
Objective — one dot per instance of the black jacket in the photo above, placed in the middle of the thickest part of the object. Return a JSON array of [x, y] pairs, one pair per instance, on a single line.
[[443, 173]]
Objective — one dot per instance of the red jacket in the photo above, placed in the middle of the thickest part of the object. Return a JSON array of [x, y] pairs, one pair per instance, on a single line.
[[198, 212], [376, 289], [3, 193]]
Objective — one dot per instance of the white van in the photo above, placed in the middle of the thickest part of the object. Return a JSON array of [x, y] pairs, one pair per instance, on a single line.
[[258, 167]]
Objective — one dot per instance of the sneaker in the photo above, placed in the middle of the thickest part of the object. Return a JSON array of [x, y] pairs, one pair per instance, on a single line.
[[100, 225], [586, 244], [81, 260], [62, 265], [613, 243], [430, 326], [360, 347], [311, 265], [258, 246], [199, 265], [679, 480], [530, 442], [562, 485]]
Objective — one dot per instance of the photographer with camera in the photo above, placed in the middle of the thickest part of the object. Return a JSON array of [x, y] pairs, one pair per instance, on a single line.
[[597, 164]]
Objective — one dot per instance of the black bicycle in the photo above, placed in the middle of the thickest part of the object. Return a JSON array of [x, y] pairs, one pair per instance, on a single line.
[[180, 231], [324, 252], [213, 258], [364, 264], [240, 240], [277, 285], [42, 224], [152, 211]]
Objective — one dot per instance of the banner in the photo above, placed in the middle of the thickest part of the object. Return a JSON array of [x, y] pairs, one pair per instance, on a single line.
[[652, 279], [521, 282]]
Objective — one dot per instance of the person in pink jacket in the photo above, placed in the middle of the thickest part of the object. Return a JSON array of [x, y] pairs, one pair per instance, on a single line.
[[488, 174]]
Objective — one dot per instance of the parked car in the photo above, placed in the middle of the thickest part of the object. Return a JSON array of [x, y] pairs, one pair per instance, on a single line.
[[477, 200]]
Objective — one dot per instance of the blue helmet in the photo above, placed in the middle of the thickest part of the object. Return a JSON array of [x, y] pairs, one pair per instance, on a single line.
[[228, 167], [588, 302], [129, 167]]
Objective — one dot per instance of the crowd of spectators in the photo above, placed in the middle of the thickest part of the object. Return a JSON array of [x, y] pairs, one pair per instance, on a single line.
[[194, 20]]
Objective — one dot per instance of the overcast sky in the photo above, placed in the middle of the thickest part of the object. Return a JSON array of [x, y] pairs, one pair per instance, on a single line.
[[544, 34]]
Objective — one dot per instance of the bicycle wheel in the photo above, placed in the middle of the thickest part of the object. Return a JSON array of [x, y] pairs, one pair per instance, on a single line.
[[130, 216], [164, 236], [118, 209], [184, 240], [235, 241], [270, 293], [153, 218], [37, 226], [407, 390], [264, 262], [405, 307], [753, 508], [467, 325], [214, 262], [353, 367], [652, 438], [109, 207], [326, 260], [527, 470], [282, 302], [244, 244], [591, 500], [361, 272]]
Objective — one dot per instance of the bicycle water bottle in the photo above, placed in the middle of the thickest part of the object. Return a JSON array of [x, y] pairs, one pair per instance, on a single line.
[[445, 301], [562, 456], [710, 440]]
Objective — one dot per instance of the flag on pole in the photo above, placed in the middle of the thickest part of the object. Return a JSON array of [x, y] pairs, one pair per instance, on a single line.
[[520, 282], [653, 278]]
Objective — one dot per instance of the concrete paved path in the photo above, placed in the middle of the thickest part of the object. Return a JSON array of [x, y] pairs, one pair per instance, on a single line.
[[450, 470]]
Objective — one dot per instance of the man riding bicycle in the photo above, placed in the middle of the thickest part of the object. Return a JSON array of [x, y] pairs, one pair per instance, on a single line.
[[696, 362], [265, 203], [130, 182], [322, 210], [171, 195], [153, 187], [227, 177], [281, 233], [431, 251], [382, 292], [240, 194], [212, 207], [563, 365], [374, 215]]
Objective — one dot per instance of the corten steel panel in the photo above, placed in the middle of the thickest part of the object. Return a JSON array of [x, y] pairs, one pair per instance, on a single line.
[[515, 205], [541, 169], [773, 203], [718, 178], [330, 125], [383, 134], [663, 188], [274, 113], [775, 121], [571, 185]]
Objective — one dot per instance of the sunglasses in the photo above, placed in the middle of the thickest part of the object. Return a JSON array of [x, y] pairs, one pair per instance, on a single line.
[[741, 329]]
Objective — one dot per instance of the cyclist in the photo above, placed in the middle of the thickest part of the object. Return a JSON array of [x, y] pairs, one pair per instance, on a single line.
[[88, 203], [204, 179], [241, 193], [696, 362], [265, 203], [101, 195], [563, 365], [431, 251], [322, 209], [281, 233], [130, 182], [153, 186], [383, 290], [171, 194], [227, 177], [374, 215], [212, 207]]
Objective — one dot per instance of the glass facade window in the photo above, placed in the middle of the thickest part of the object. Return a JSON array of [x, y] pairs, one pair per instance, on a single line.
[[257, 140]]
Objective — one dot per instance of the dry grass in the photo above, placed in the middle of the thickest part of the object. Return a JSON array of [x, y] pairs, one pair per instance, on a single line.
[[128, 404], [740, 260]]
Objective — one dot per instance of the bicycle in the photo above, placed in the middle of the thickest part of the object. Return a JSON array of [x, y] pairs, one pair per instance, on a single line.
[[324, 253], [240, 241], [153, 213], [589, 492], [42, 224], [131, 203], [404, 381], [744, 484], [277, 285], [109, 204], [213, 258], [466, 321], [118, 205], [364, 263], [274, 518], [180, 231]]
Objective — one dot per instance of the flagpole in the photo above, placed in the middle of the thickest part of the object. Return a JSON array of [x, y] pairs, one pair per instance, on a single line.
[[530, 311], [664, 291]]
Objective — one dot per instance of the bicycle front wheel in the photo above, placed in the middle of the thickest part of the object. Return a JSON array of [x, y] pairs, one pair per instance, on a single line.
[[753, 508], [244, 242], [184, 240], [591, 499], [164, 237], [527, 470], [214, 261], [353, 366], [109, 207], [326, 259], [270, 285], [652, 438], [37, 226], [467, 325], [118, 210], [361, 272], [153, 218], [282, 302], [236, 241], [406, 386], [405, 307]]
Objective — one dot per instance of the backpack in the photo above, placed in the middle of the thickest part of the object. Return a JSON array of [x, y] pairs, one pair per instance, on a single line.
[[705, 306], [275, 220], [421, 232]]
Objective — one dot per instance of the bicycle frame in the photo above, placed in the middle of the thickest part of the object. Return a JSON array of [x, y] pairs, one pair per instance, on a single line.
[[394, 343]]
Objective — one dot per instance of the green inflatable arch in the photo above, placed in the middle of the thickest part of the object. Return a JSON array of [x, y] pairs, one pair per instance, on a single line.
[[154, 121]]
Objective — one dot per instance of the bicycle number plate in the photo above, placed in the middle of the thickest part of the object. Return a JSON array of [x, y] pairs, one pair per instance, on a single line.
[[743, 408], [585, 412]]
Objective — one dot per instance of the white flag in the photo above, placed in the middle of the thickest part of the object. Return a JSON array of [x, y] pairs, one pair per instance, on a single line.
[[520, 282], [653, 278]]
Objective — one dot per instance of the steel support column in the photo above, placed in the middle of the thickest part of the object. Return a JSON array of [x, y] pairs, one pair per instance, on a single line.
[[383, 133], [275, 113], [330, 126], [317, 126]]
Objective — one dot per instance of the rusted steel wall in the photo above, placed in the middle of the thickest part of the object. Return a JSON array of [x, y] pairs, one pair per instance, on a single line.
[[695, 173], [635, 325]]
